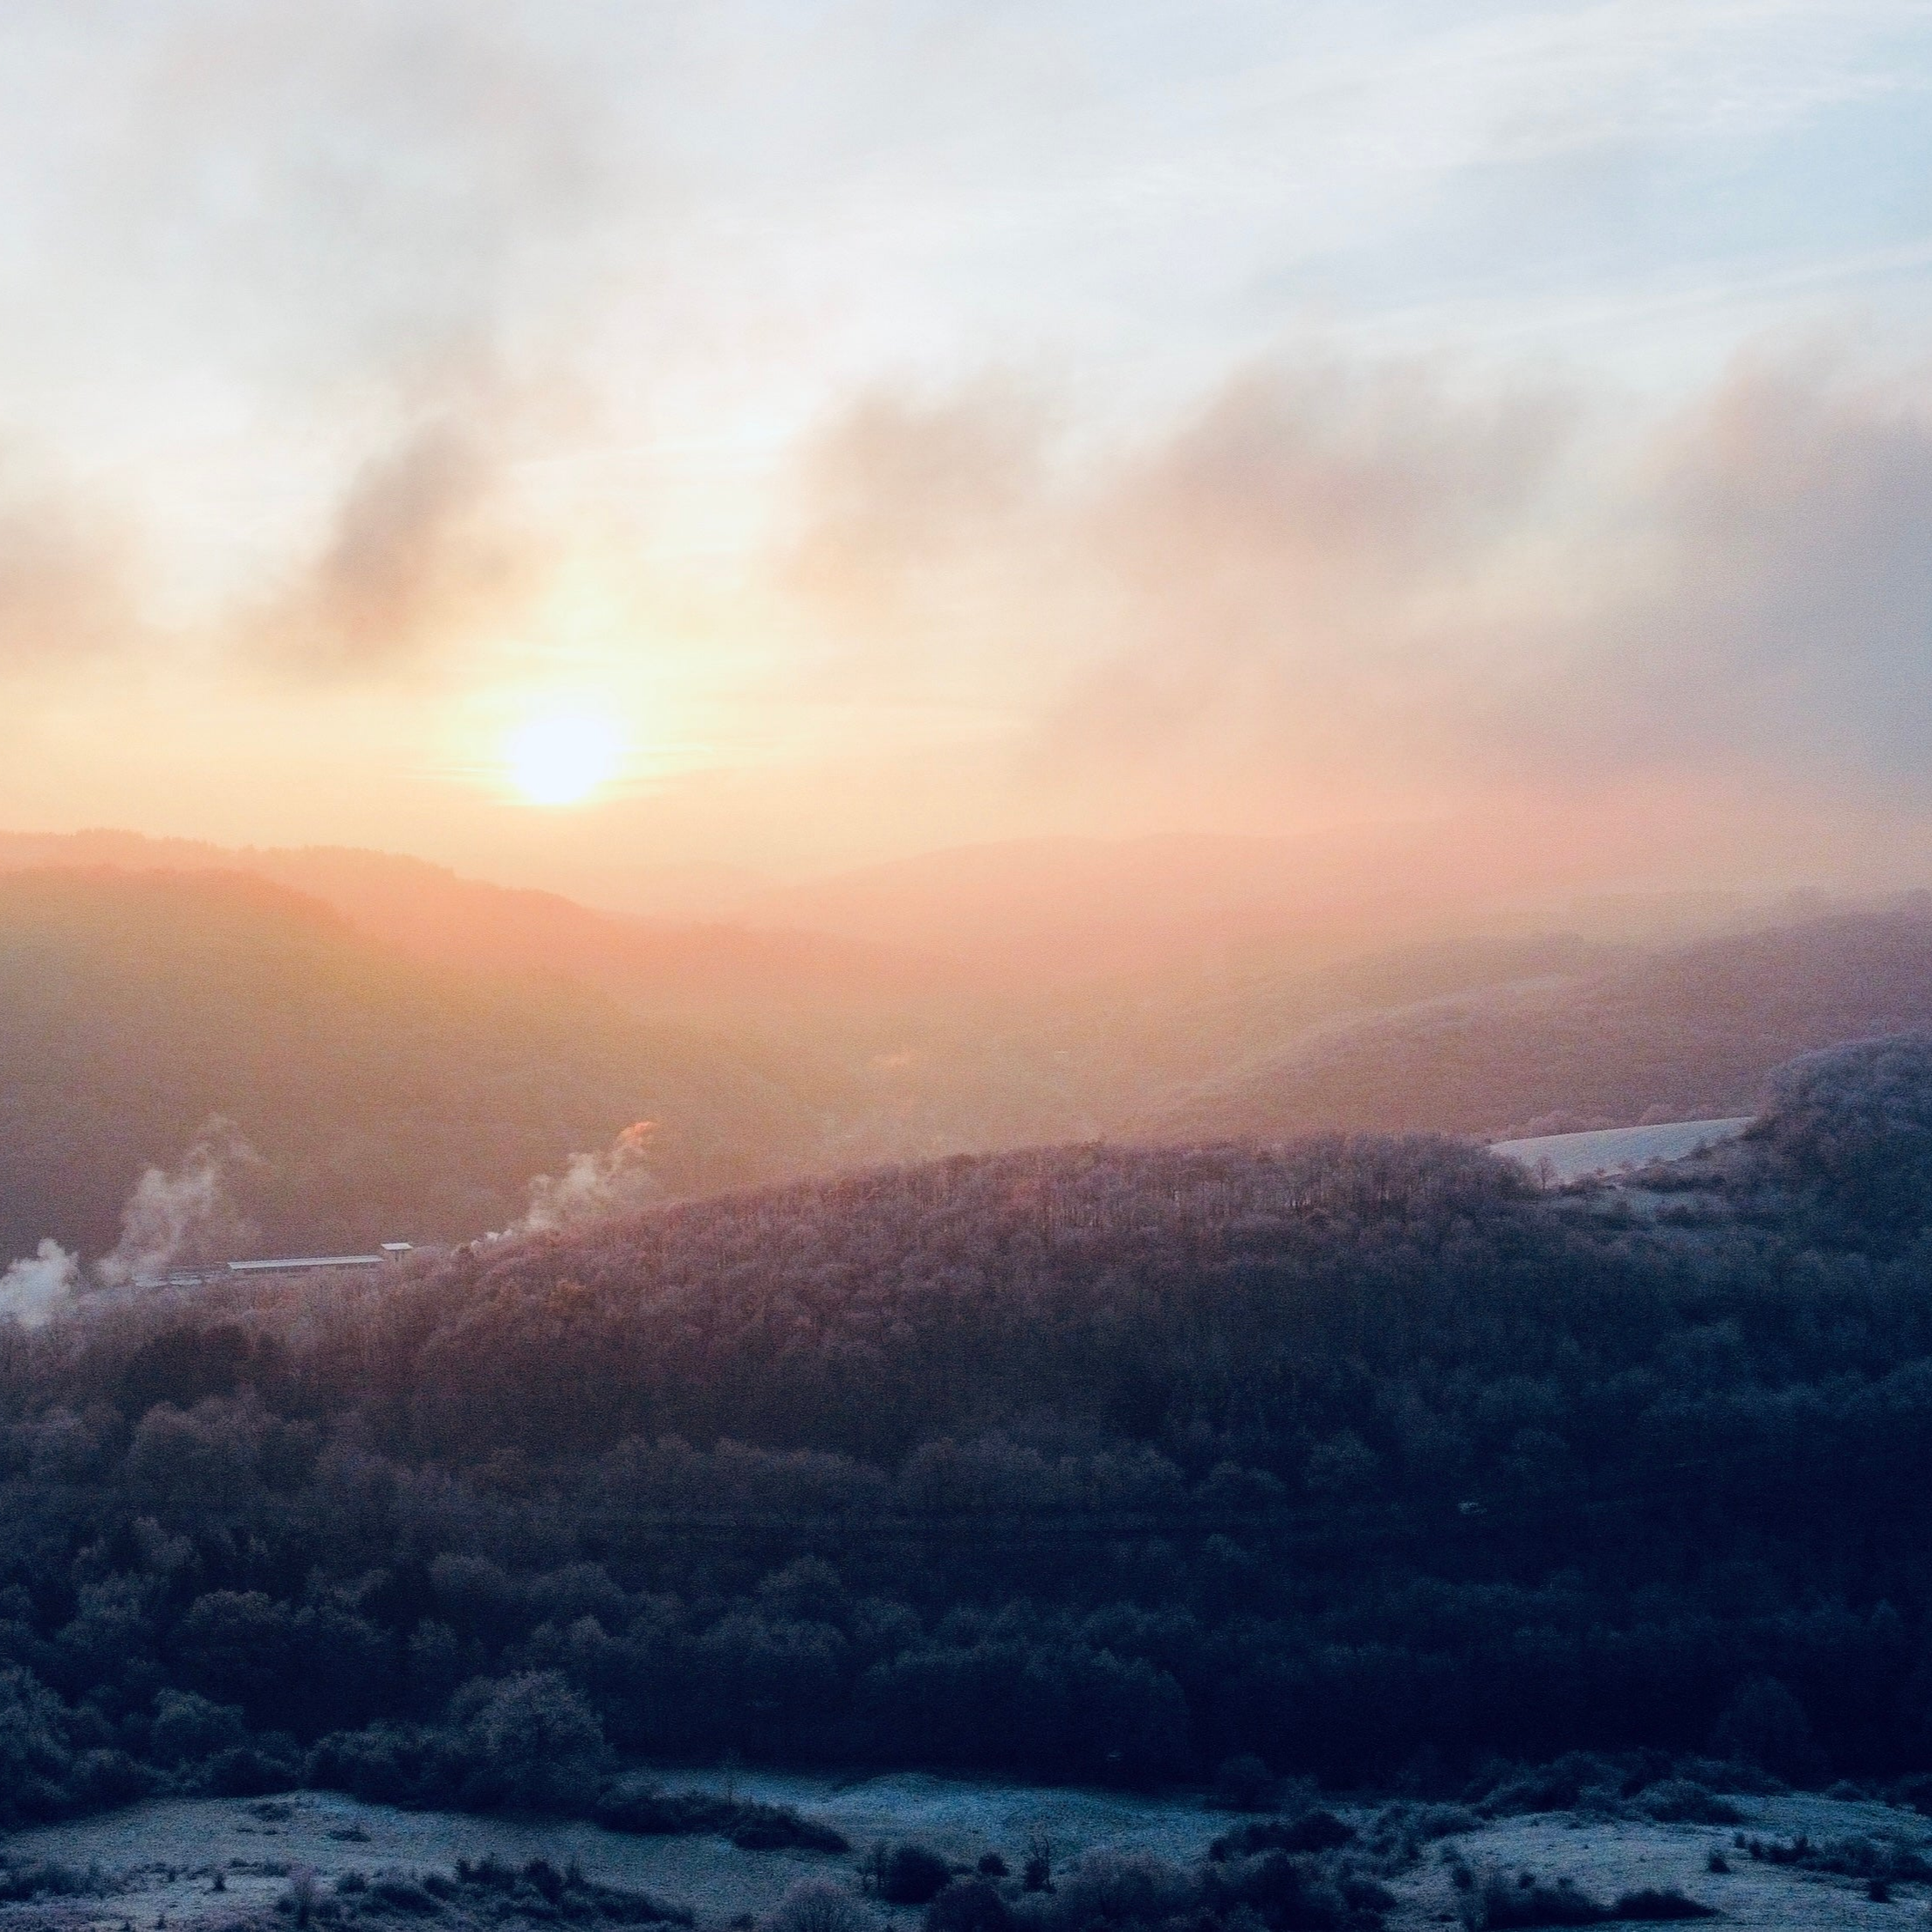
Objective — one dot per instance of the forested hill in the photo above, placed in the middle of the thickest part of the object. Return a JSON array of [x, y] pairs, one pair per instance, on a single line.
[[1368, 1457], [1688, 1033], [386, 1097]]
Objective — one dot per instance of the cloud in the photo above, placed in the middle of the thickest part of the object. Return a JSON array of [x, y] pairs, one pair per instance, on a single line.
[[1789, 617], [420, 555], [342, 191], [1300, 563], [1334, 581]]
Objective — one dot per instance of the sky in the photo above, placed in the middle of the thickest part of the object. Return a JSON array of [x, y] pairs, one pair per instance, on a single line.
[[591, 441]]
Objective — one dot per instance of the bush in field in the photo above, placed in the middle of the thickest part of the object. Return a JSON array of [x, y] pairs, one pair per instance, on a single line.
[[969, 1905], [1314, 1830], [1683, 1800], [532, 1743], [910, 1874], [817, 1904], [1500, 1903], [486, 1890], [641, 1805]]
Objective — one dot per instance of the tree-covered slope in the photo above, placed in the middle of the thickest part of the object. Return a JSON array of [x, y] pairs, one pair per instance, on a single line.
[[1367, 1457]]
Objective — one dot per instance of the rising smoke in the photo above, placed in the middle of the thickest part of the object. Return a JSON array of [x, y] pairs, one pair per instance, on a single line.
[[618, 1181], [33, 1288], [185, 1215]]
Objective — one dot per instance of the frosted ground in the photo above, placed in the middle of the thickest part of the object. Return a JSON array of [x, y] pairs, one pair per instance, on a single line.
[[156, 1861], [1576, 1157]]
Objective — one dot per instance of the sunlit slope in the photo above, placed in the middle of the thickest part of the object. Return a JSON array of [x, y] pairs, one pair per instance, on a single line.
[[388, 1098], [1688, 1034]]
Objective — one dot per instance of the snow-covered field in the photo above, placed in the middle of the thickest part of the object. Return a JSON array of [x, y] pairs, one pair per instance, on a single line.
[[157, 1861], [1576, 1157]]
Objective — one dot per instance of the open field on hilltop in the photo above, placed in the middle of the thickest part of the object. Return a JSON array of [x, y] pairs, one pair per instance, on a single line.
[[1576, 1157], [156, 1861]]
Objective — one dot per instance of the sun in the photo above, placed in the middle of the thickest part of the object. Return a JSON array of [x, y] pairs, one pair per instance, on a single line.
[[562, 756]]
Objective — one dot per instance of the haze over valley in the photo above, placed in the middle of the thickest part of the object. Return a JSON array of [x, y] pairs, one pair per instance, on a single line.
[[965, 968]]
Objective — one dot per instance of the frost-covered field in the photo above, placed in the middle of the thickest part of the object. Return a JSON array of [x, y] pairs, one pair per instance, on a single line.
[[1574, 1157], [156, 1862], [1607, 1859], [160, 1857]]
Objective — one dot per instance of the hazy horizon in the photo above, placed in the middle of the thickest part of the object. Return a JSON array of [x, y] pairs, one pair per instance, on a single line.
[[871, 790], [576, 445]]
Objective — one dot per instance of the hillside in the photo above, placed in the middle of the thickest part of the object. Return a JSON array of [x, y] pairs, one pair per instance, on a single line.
[[1369, 1458], [1685, 1034], [386, 1097], [710, 971]]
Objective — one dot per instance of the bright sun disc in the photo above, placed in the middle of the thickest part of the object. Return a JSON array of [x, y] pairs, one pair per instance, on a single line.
[[563, 757]]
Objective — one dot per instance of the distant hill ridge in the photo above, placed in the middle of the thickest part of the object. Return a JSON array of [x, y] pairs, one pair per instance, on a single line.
[[704, 969], [1686, 1034]]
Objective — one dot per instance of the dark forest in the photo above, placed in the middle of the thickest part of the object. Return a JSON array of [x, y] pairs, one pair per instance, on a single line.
[[1371, 1459]]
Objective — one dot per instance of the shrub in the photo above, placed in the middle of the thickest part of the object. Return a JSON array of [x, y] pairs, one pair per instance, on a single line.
[[1500, 1902], [756, 1827], [46, 1878], [1682, 1800], [971, 1904], [640, 1807], [1314, 1831], [1561, 1786], [817, 1904], [1127, 1888], [1855, 1857], [401, 1892], [912, 1874], [245, 1772]]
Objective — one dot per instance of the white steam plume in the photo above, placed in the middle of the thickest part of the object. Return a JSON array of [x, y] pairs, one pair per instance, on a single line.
[[34, 1288], [615, 1181], [187, 1213]]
